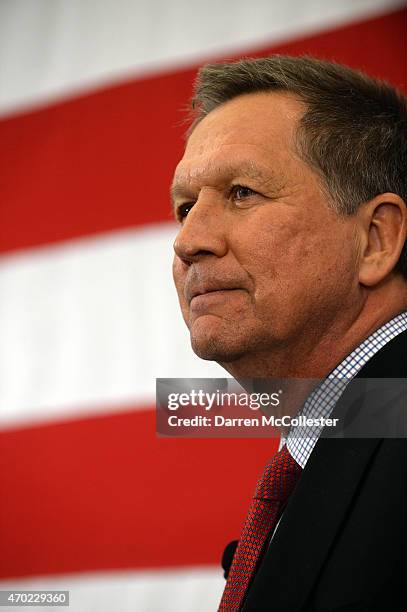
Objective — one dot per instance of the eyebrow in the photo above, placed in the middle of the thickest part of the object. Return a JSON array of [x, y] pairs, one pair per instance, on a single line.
[[246, 169]]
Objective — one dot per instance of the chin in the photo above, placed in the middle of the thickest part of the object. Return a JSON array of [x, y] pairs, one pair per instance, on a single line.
[[218, 339], [216, 348]]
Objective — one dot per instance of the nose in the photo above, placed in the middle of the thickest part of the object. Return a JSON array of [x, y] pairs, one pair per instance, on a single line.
[[202, 232]]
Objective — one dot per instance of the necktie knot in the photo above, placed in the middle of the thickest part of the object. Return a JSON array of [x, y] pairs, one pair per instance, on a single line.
[[279, 478]]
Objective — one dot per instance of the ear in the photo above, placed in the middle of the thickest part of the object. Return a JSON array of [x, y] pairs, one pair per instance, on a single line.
[[383, 230]]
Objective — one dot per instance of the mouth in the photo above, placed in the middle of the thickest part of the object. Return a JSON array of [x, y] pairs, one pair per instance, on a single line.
[[198, 292], [215, 287], [201, 299]]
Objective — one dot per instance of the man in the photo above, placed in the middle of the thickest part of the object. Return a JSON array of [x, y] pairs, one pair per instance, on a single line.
[[291, 262]]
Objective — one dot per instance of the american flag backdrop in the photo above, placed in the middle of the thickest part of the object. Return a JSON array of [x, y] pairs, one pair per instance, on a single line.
[[91, 127]]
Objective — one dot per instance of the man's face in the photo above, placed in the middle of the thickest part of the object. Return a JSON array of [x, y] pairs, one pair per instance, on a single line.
[[262, 263]]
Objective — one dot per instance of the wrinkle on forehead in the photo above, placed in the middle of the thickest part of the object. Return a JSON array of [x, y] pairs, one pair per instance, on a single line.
[[221, 174]]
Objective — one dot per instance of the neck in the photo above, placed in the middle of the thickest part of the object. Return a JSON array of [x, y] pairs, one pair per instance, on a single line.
[[316, 354]]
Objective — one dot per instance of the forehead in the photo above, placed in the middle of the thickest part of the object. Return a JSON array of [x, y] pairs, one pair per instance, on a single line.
[[251, 132]]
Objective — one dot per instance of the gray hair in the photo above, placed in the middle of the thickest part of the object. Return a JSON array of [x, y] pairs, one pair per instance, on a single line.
[[353, 132]]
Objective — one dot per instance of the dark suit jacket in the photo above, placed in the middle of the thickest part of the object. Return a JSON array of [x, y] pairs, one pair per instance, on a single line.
[[342, 541]]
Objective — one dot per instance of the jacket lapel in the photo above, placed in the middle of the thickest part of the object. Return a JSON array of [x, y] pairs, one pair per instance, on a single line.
[[318, 506], [310, 523]]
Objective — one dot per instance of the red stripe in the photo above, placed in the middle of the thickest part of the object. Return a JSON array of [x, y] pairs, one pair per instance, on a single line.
[[105, 161], [105, 493]]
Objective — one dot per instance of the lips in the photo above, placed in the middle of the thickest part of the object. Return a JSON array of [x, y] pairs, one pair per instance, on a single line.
[[195, 291]]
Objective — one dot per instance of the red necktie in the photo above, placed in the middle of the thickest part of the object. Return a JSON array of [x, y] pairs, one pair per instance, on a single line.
[[272, 492]]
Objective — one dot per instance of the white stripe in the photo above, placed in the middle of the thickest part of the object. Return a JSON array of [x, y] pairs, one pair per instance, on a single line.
[[91, 324], [187, 590], [53, 49]]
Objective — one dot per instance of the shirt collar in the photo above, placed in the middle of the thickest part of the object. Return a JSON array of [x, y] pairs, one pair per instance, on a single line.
[[323, 399]]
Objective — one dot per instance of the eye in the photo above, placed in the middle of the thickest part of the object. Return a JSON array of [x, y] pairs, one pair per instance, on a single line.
[[240, 192], [183, 210]]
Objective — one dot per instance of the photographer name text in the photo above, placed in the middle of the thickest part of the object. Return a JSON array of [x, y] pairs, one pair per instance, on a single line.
[[264, 421]]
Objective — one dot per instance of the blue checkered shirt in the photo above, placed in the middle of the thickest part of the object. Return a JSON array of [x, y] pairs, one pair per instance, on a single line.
[[323, 399]]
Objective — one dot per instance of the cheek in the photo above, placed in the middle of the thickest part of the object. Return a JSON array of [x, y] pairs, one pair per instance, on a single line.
[[274, 253], [291, 266]]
